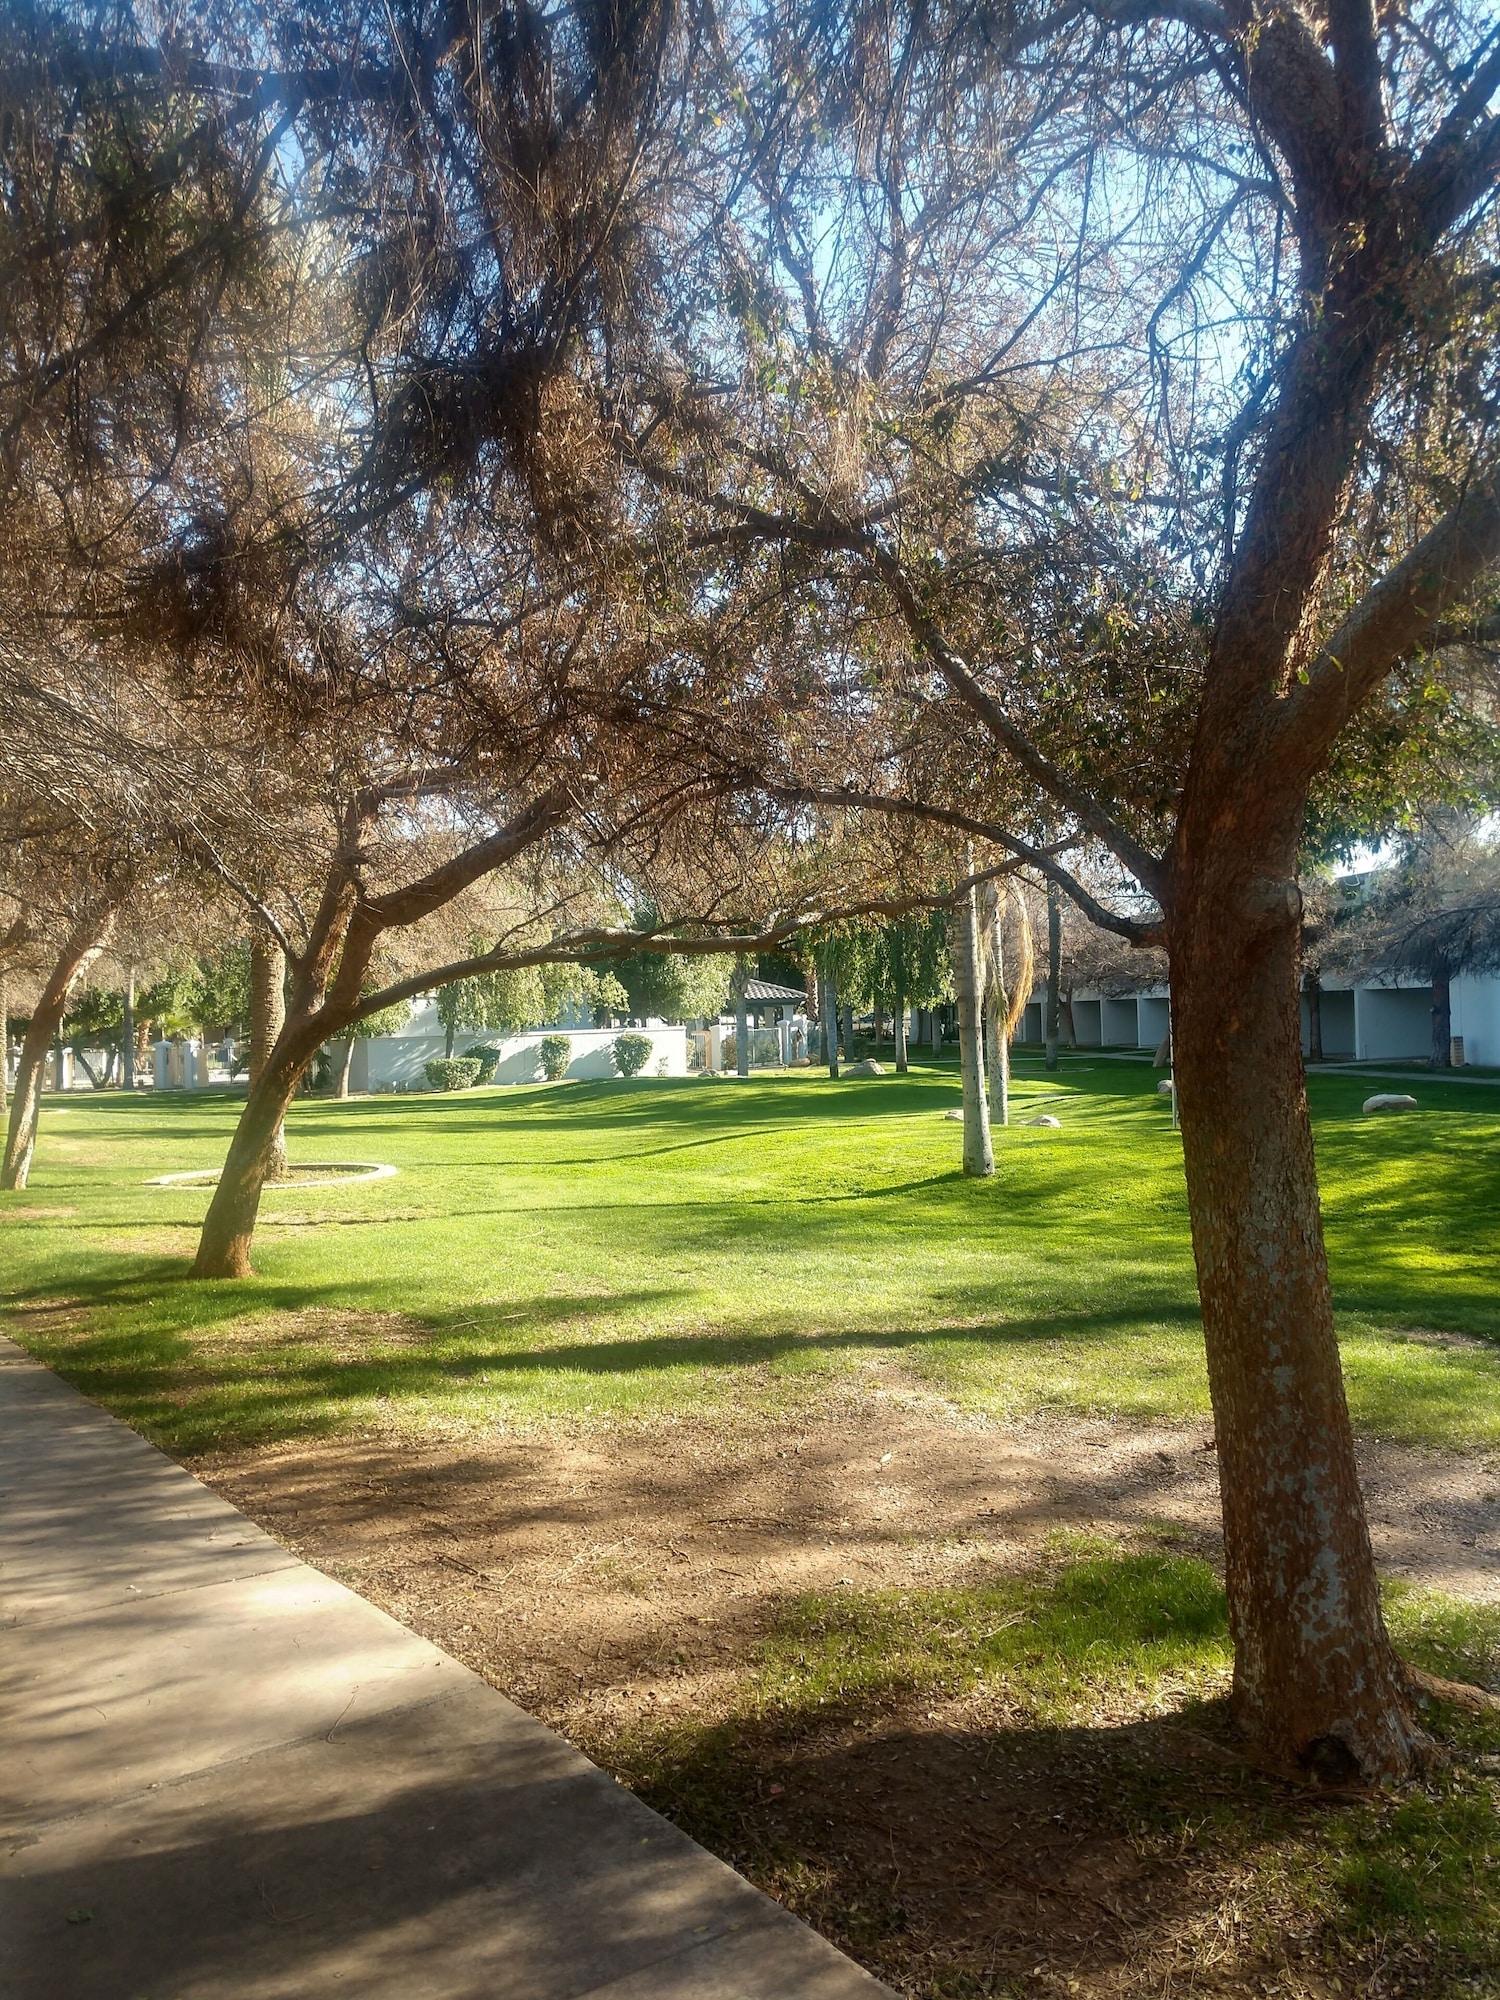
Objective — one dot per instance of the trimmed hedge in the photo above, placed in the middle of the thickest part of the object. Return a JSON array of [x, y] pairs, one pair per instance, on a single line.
[[452, 1072], [631, 1053], [556, 1053], [488, 1058]]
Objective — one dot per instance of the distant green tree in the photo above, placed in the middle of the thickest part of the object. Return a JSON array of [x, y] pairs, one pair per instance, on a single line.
[[660, 986]]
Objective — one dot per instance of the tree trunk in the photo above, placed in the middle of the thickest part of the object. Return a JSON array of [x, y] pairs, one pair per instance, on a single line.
[[1316, 1682], [898, 1030], [1054, 973], [84, 944], [84, 1064], [1312, 987], [127, 1033], [996, 1011], [830, 1025], [846, 1017], [979, 1155], [448, 1042], [346, 1063], [4, 1043], [267, 1018], [1442, 1017], [741, 1023], [257, 1153], [1066, 1023]]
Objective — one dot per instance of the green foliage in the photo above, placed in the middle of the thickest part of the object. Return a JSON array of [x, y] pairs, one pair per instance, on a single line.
[[96, 1016], [507, 1003], [664, 987], [488, 1058], [556, 1053], [384, 1021], [631, 1052], [528, 997], [452, 1072]]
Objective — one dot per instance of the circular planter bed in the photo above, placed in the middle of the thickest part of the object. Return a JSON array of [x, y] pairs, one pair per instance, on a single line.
[[306, 1174]]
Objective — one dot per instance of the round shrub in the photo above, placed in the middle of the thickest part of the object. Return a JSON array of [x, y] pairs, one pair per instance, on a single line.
[[488, 1058], [556, 1053], [452, 1072], [631, 1053]]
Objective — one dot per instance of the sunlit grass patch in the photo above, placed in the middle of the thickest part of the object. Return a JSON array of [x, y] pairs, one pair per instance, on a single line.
[[623, 1252]]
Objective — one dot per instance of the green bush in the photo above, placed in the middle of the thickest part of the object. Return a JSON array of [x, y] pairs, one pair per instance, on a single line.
[[452, 1072], [556, 1053], [488, 1058], [631, 1053]]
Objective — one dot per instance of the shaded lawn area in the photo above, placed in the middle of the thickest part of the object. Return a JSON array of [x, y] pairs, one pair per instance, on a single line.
[[638, 1249], [1029, 1787]]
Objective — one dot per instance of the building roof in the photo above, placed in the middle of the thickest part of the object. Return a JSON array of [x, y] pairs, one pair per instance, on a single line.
[[768, 990]]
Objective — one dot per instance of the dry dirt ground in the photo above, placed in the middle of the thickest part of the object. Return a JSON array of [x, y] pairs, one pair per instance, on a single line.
[[617, 1583]]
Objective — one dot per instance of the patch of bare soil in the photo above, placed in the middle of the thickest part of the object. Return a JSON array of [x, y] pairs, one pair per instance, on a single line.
[[619, 1583]]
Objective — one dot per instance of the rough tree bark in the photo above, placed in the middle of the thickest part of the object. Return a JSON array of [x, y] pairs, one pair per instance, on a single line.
[[1316, 1682], [979, 1152], [267, 1018], [846, 1026], [1442, 1017], [741, 1022], [1054, 973], [829, 1023], [83, 945], [1312, 987]]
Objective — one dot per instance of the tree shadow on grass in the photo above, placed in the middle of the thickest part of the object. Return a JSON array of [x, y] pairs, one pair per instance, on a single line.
[[894, 1783]]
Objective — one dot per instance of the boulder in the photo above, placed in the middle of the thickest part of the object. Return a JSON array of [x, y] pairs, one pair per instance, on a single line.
[[956, 1115], [1165, 1087], [1053, 1124], [869, 1067], [1390, 1100]]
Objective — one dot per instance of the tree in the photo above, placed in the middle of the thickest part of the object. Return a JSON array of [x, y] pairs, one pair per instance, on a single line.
[[1162, 619], [968, 987]]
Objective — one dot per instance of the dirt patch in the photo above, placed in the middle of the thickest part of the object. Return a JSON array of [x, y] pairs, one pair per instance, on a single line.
[[347, 1336], [621, 1586]]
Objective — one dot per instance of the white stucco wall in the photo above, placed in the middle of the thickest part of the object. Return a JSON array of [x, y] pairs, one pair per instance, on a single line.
[[1392, 1023], [1476, 1015], [1118, 1021], [1153, 1018], [401, 1059]]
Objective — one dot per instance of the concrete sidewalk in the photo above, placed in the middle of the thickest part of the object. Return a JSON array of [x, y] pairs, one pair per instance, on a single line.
[[225, 1777]]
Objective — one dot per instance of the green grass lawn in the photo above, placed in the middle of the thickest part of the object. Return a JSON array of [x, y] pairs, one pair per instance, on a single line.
[[633, 1249], [1018, 1783]]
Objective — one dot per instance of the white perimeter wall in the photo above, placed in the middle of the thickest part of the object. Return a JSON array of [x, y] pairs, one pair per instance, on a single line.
[[401, 1059]]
